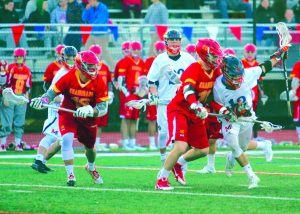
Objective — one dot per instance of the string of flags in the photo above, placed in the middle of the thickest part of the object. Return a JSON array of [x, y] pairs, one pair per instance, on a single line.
[[187, 31]]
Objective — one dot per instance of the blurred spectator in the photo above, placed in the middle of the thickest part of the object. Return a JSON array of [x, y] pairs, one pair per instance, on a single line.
[[97, 13], [9, 15], [296, 10], [237, 5], [41, 16], [30, 7], [289, 17], [229, 51], [52, 4], [157, 14], [59, 16], [132, 6], [1, 4], [291, 3], [279, 7], [265, 14], [74, 11]]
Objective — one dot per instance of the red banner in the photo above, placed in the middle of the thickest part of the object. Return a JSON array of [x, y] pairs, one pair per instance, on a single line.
[[237, 32], [161, 30], [17, 31], [85, 35]]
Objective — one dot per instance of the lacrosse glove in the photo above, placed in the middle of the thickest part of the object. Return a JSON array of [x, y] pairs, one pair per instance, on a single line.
[[84, 111], [199, 110], [38, 103]]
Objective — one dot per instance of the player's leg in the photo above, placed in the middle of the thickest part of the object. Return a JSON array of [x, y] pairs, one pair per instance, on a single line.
[[52, 150], [67, 153], [162, 123], [123, 127], [151, 118], [101, 122], [132, 115], [296, 117], [19, 121], [6, 115], [265, 145]]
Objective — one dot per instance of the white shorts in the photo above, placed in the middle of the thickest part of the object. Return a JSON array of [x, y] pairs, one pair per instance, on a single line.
[[162, 120]]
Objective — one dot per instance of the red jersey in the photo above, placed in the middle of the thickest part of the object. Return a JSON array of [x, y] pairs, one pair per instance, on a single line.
[[19, 79], [51, 70], [200, 80], [148, 64], [78, 94], [131, 69], [296, 73], [104, 73], [117, 68]]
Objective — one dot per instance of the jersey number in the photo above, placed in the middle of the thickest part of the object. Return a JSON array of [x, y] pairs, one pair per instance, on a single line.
[[180, 71]]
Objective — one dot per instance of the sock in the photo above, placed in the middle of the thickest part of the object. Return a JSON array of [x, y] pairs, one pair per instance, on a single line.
[[91, 166], [181, 161], [97, 143], [248, 170], [132, 142], [152, 140], [211, 160], [3, 140], [124, 142], [17, 141], [298, 132], [260, 144], [163, 173], [70, 169], [39, 157], [163, 158]]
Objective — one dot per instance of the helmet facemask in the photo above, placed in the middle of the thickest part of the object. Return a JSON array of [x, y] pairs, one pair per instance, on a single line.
[[173, 45]]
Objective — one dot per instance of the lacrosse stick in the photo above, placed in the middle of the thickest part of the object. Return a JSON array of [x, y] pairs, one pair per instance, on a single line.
[[284, 39], [12, 98], [141, 104]]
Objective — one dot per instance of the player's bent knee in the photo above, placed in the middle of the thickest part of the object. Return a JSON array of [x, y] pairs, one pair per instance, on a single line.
[[47, 141], [67, 147]]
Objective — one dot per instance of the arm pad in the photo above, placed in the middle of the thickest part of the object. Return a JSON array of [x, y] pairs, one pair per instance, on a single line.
[[267, 65], [101, 108]]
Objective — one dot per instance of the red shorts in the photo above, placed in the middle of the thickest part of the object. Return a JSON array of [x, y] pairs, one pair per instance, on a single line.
[[131, 113], [122, 105], [151, 112], [213, 128], [186, 128], [296, 110], [102, 121], [84, 129]]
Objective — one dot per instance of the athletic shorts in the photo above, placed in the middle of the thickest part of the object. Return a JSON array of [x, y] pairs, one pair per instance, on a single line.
[[296, 110], [122, 105], [102, 121], [151, 113]]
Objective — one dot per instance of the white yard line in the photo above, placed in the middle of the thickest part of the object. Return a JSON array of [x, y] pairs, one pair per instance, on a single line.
[[154, 169], [141, 154], [126, 190]]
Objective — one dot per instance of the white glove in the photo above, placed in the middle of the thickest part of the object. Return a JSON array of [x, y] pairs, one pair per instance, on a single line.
[[172, 75], [2, 77], [141, 91], [153, 99], [110, 97], [84, 112], [38, 103], [199, 110]]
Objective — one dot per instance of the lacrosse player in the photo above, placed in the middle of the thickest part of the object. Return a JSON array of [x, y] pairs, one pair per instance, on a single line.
[[191, 49], [233, 97], [158, 48], [20, 80], [84, 92], [53, 67], [163, 81], [133, 83], [294, 96], [51, 143], [187, 113], [124, 130], [3, 82], [229, 51], [106, 76]]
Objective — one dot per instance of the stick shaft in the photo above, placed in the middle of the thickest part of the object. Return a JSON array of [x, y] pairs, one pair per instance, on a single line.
[[59, 108], [288, 102]]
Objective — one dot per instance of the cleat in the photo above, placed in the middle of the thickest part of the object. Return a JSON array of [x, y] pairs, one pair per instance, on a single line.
[[127, 148], [39, 166], [229, 164], [71, 180], [163, 184], [48, 169], [153, 147], [178, 173], [253, 182], [2, 148], [207, 170], [19, 147], [95, 175], [102, 148], [268, 151]]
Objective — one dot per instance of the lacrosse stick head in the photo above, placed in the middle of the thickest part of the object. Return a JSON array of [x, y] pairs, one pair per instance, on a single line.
[[284, 35], [138, 104], [270, 127], [12, 98]]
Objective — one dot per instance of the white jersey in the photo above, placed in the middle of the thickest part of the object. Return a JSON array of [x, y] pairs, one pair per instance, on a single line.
[[166, 89], [229, 98]]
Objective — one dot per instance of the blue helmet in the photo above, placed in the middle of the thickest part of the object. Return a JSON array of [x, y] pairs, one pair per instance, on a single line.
[[173, 41], [233, 71], [68, 56]]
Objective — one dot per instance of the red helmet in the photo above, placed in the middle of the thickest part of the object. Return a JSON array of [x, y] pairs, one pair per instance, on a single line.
[[20, 52], [125, 45], [88, 63], [250, 48], [229, 51], [59, 48], [190, 48], [210, 52], [96, 49], [136, 45], [159, 46]]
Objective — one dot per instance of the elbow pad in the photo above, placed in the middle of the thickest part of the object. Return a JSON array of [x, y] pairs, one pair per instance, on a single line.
[[267, 65], [101, 109], [188, 90]]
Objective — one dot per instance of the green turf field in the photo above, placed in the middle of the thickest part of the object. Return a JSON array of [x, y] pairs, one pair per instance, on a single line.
[[129, 187]]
